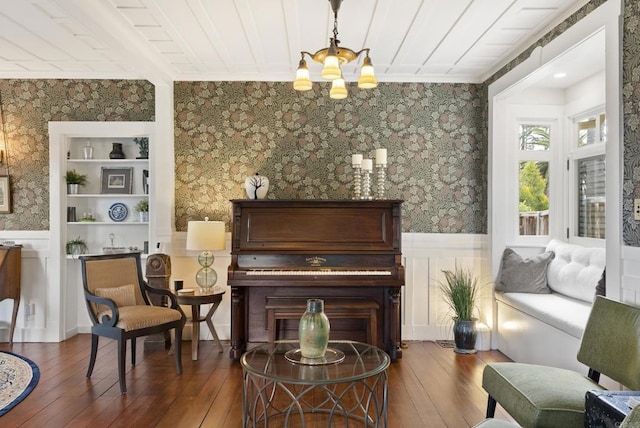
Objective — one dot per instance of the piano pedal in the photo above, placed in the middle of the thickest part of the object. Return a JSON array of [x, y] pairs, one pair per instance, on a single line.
[[404, 345]]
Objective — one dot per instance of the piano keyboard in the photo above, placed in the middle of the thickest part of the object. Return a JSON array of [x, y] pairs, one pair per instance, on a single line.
[[320, 272]]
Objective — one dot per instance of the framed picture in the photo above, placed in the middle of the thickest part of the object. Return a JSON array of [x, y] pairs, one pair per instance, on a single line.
[[117, 180], [5, 195]]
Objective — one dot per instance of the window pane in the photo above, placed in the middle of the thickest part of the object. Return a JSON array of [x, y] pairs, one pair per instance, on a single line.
[[592, 130], [534, 137], [591, 197], [534, 198], [603, 128]]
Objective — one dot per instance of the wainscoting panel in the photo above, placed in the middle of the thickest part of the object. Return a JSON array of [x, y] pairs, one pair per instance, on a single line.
[[630, 275], [425, 315], [35, 288]]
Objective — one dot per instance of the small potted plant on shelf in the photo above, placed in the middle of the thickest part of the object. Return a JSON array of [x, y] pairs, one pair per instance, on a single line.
[[461, 290], [142, 208], [76, 246], [74, 180]]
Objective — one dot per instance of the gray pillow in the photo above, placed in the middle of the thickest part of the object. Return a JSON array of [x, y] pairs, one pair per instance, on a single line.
[[601, 286], [524, 275]]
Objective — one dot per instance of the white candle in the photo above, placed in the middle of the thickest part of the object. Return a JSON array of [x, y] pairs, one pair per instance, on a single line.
[[381, 156], [356, 159], [367, 165]]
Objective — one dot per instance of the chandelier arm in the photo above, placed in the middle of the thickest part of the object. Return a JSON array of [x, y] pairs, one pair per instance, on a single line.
[[362, 50], [303, 53]]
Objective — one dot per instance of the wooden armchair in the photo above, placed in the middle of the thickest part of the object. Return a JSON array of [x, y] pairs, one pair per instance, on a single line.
[[118, 304]]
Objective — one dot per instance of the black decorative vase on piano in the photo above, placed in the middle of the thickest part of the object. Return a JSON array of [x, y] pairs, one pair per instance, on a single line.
[[345, 252]]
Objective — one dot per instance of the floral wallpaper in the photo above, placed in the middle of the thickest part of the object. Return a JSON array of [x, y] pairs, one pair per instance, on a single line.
[[436, 135], [303, 141], [29, 105], [631, 122]]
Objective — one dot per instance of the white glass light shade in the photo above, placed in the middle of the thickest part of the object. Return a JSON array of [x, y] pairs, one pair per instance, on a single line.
[[338, 89], [367, 79], [302, 82], [331, 70]]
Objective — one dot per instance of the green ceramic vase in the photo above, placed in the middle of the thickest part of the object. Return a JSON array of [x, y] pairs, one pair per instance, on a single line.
[[313, 330]]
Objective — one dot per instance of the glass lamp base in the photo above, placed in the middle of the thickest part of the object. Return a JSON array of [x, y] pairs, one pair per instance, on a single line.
[[206, 278]]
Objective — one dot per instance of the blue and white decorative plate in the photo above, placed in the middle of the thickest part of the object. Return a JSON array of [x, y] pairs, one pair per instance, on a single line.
[[118, 211]]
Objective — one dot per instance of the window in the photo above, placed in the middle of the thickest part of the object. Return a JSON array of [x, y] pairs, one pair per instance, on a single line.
[[535, 144], [589, 176]]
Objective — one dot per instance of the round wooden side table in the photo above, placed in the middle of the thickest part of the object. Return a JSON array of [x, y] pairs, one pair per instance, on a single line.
[[213, 297]]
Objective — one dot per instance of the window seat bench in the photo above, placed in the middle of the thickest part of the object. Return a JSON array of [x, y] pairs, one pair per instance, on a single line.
[[547, 328]]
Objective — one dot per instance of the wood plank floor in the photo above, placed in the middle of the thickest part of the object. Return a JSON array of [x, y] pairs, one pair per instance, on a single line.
[[430, 386]]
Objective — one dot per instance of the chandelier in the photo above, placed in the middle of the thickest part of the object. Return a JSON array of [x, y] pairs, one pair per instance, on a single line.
[[332, 58]]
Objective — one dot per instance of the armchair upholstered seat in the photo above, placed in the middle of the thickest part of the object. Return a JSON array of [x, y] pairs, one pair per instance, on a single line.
[[632, 420], [541, 396], [118, 304]]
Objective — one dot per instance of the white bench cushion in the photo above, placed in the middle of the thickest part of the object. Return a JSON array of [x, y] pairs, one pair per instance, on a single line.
[[575, 270], [564, 313]]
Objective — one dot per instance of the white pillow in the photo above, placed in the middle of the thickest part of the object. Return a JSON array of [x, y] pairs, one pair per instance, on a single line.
[[575, 270]]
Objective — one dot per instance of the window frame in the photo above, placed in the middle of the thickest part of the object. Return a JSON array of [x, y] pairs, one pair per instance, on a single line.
[[574, 155], [544, 115]]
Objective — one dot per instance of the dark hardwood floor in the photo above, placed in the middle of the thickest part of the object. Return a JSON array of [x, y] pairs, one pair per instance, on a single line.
[[430, 386]]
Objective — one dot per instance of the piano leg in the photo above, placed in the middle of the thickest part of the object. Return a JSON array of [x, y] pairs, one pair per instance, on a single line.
[[238, 327], [394, 345]]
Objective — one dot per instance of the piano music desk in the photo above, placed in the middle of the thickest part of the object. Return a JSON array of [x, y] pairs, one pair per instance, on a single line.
[[341, 308]]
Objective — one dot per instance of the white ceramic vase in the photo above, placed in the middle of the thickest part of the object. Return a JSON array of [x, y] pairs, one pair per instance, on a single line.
[[256, 186]]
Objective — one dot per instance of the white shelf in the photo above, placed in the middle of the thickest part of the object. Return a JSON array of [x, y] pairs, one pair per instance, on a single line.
[[100, 161], [107, 195], [109, 223]]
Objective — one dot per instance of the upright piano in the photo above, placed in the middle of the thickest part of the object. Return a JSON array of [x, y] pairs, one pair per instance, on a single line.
[[315, 249]]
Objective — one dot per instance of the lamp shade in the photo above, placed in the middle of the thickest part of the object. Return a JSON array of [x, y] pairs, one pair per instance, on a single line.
[[331, 69], [367, 77], [302, 82], [206, 235], [338, 90]]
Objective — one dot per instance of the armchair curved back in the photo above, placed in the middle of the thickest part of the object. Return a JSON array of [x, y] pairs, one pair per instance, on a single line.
[[105, 274], [611, 341]]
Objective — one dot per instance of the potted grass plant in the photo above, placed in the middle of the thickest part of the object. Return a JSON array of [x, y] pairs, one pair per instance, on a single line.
[[461, 290]]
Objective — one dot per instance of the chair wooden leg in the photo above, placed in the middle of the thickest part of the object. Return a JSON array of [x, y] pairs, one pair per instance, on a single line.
[[122, 351], [94, 353], [491, 407], [177, 348], [133, 351]]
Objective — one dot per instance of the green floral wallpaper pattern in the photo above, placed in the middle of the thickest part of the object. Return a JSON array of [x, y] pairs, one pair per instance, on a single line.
[[631, 121], [28, 107], [226, 131]]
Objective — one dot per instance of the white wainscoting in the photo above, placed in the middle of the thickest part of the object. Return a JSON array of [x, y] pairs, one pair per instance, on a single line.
[[35, 289], [630, 275], [424, 315], [60, 311]]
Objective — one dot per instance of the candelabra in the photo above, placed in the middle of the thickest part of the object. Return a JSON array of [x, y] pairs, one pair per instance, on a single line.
[[357, 182], [382, 169]]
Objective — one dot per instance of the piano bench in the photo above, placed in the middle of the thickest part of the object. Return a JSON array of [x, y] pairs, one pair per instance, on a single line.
[[279, 308]]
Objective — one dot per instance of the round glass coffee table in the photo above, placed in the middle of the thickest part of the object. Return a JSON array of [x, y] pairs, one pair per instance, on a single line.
[[281, 389]]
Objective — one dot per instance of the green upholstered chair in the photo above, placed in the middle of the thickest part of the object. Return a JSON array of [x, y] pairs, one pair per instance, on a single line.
[[631, 421], [541, 396]]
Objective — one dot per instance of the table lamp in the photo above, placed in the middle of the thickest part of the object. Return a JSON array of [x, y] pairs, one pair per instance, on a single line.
[[206, 236]]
